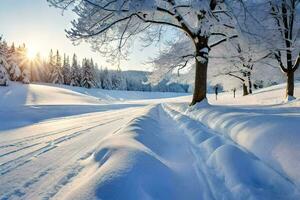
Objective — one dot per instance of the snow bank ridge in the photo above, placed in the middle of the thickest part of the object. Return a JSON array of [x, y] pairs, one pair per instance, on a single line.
[[231, 171], [140, 162]]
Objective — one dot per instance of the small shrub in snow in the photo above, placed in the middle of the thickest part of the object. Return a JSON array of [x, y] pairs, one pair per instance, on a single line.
[[3, 76], [26, 76]]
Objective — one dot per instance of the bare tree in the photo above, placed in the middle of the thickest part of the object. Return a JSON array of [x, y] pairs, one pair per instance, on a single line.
[[114, 22], [248, 55]]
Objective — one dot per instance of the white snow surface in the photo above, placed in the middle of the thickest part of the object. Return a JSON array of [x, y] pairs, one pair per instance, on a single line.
[[61, 142]]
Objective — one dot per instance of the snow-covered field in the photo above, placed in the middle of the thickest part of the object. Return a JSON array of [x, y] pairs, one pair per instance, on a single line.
[[72, 143]]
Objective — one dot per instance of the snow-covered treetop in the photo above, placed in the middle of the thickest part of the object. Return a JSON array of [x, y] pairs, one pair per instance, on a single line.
[[109, 25]]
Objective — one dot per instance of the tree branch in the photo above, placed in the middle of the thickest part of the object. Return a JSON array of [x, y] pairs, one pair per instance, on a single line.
[[278, 58], [297, 63], [222, 40]]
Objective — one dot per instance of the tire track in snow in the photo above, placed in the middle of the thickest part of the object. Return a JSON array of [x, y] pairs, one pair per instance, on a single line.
[[84, 117], [72, 173], [22, 160], [38, 136], [59, 173], [20, 149], [19, 192], [79, 167]]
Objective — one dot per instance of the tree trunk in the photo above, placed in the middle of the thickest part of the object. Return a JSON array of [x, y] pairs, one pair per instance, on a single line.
[[290, 83], [245, 89], [200, 82], [201, 73], [249, 82]]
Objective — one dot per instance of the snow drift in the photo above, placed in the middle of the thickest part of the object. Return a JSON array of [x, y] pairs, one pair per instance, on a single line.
[[144, 160]]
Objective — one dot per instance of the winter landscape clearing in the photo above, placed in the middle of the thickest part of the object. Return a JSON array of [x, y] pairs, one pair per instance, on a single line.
[[150, 100], [59, 143]]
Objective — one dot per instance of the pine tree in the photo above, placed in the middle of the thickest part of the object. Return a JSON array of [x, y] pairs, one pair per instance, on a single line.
[[118, 80], [57, 74], [98, 75], [50, 67], [14, 72], [75, 78], [26, 75], [14, 69], [16, 65], [4, 50], [3, 76], [37, 69], [106, 82], [4, 81], [22, 61], [94, 71], [88, 78], [66, 70]]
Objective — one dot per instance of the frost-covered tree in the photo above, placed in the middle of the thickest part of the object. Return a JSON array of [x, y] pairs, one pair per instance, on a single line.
[[66, 70], [241, 61], [110, 24], [286, 14], [21, 57], [3, 66], [26, 75], [11, 58], [88, 75], [274, 25], [50, 67], [38, 69], [14, 69], [75, 72], [4, 50], [118, 80], [57, 73], [3, 76], [106, 82]]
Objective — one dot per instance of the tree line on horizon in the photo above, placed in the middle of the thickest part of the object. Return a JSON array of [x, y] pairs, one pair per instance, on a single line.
[[63, 70]]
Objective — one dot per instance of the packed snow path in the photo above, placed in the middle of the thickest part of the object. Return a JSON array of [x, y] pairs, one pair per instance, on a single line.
[[135, 150], [50, 153]]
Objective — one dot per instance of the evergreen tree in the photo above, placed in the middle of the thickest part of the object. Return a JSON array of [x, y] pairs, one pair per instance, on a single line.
[[106, 82], [3, 65], [66, 70], [4, 51], [50, 67], [88, 78], [14, 69], [9, 55], [26, 75], [75, 78], [98, 76], [3, 76], [38, 69], [57, 74], [21, 60], [14, 72], [94, 68], [118, 80]]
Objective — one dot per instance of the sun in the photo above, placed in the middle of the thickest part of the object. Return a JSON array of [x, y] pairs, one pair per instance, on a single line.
[[31, 53]]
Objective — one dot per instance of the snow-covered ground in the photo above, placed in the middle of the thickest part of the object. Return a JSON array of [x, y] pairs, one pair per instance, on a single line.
[[73, 143]]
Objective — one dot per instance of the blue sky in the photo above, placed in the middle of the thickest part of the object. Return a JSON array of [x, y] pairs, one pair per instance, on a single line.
[[42, 27]]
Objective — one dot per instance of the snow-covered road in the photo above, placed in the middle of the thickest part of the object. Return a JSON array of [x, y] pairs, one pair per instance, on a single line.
[[37, 160]]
